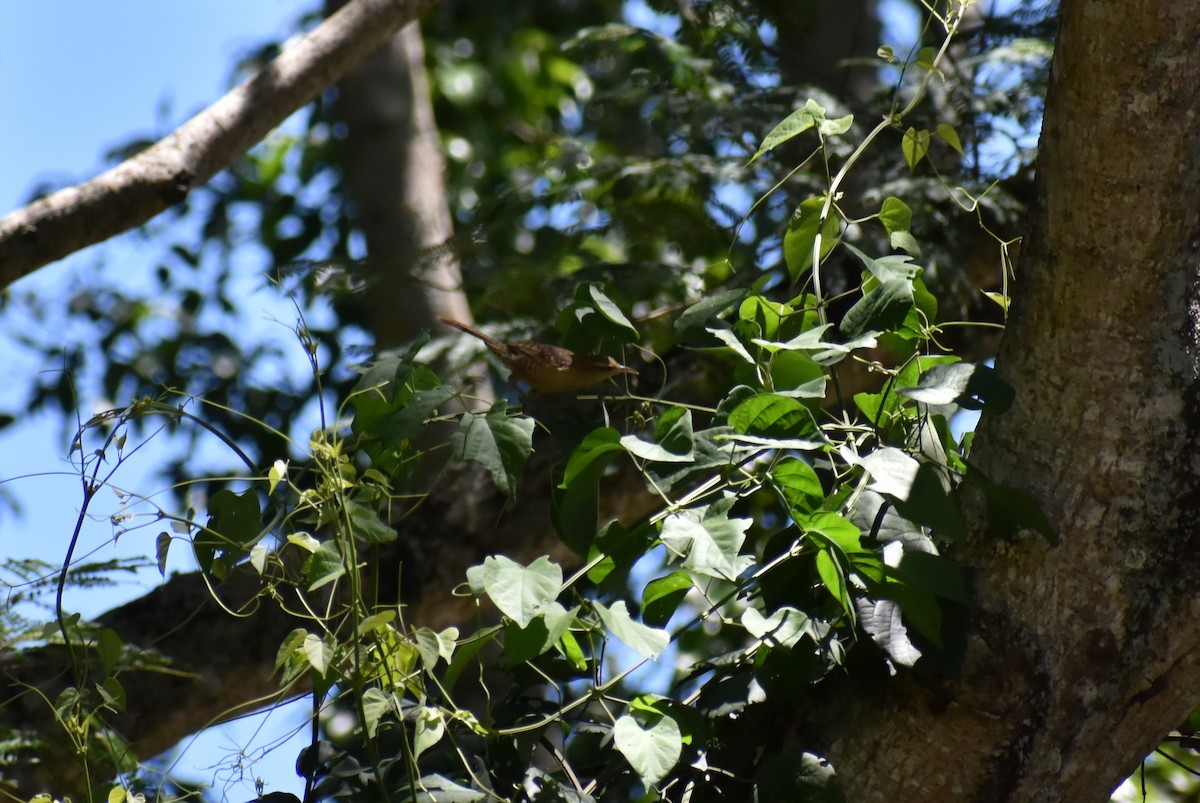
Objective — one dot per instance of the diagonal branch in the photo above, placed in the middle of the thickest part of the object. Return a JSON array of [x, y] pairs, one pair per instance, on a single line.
[[139, 188]]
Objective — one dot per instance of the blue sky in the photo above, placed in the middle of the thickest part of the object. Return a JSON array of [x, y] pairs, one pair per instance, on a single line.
[[77, 79]]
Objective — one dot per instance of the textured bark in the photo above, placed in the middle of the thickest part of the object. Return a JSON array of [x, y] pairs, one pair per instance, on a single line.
[[162, 175], [396, 175], [1081, 657]]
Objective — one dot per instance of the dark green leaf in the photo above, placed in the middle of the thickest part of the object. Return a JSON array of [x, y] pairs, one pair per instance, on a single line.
[[882, 308], [599, 446], [236, 517], [662, 597], [609, 310], [500, 442], [367, 525]]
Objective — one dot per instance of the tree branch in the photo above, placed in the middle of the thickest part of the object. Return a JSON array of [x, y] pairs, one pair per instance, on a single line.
[[139, 188]]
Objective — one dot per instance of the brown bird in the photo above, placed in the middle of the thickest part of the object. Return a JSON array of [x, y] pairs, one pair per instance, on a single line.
[[546, 368]]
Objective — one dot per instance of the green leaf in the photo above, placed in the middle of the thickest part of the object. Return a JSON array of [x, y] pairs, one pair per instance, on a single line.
[[1000, 298], [609, 310], [787, 775], [707, 541], [520, 592], [798, 483], [662, 597], [882, 308], [835, 529], [162, 545], [324, 566], [882, 621], [709, 307], [236, 517], [620, 548], [726, 335], [109, 646], [922, 491], [500, 442], [258, 557], [931, 502], [796, 374], [652, 751], [914, 146], [576, 501], [895, 215], [278, 472], [647, 642], [887, 268], [974, 387], [835, 127], [766, 314], [305, 541], [834, 579], [289, 647], [432, 645], [801, 235], [408, 419], [772, 415], [794, 124], [429, 728], [905, 242], [318, 653], [367, 525], [673, 434], [601, 445], [892, 471], [376, 704], [525, 643], [784, 627], [950, 137]]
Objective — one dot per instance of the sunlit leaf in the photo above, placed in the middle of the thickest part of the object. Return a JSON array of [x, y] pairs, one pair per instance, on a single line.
[[520, 592], [794, 124], [914, 146], [647, 642], [950, 137], [653, 750]]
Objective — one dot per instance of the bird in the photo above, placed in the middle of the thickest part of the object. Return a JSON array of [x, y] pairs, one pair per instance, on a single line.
[[545, 368]]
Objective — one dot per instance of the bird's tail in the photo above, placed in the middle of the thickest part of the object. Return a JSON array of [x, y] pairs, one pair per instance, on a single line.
[[487, 339]]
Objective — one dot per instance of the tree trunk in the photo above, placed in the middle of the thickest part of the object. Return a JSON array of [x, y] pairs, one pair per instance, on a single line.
[[396, 177], [1081, 657]]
